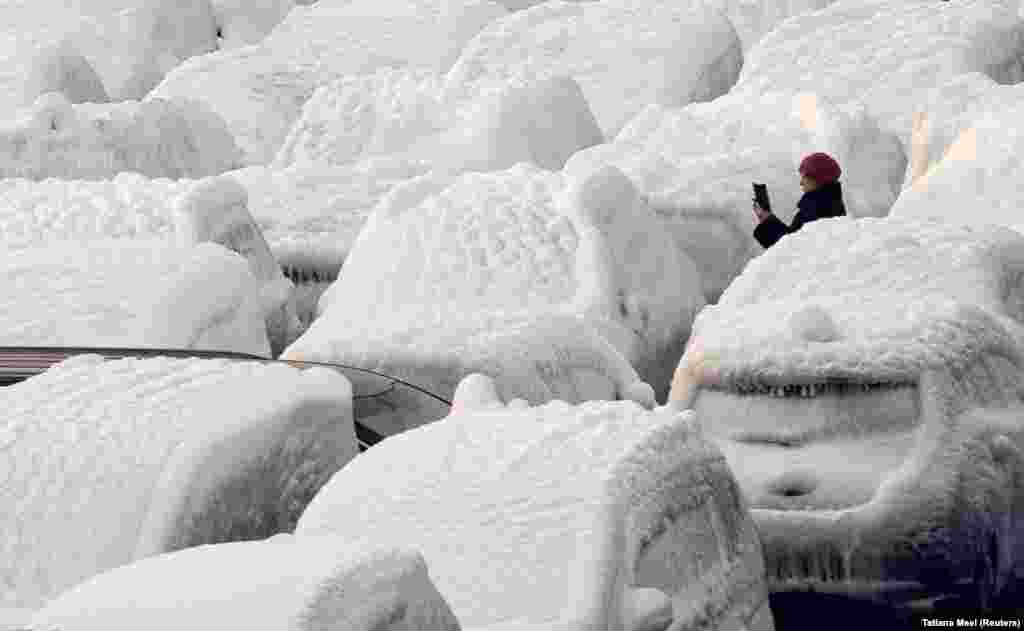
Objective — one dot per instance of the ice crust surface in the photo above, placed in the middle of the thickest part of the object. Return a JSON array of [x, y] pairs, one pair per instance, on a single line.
[[521, 240], [54, 138], [402, 113], [131, 293], [886, 55], [106, 462], [623, 55], [245, 22], [968, 156], [903, 295], [61, 67], [862, 406], [259, 90], [562, 518], [279, 584]]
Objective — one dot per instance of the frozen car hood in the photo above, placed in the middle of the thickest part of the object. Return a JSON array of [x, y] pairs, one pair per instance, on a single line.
[[871, 300]]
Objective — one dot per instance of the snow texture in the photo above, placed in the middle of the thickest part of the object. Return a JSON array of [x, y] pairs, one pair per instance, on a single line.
[[534, 356], [280, 584], [128, 205], [951, 511], [887, 55], [695, 166], [970, 167], [311, 215], [260, 89], [753, 19], [624, 56], [520, 240], [861, 465], [107, 462], [244, 22], [215, 210], [62, 68], [401, 112], [903, 295], [132, 49], [130, 294], [575, 505], [57, 139]]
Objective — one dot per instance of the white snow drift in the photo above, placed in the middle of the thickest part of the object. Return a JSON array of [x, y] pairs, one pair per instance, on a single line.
[[553, 515], [259, 90], [280, 584], [133, 48], [515, 241], [312, 214], [754, 20], [186, 212], [886, 55], [970, 168], [61, 68], [624, 55], [695, 166], [107, 462], [131, 294], [834, 379], [534, 356], [157, 138], [403, 114], [215, 210], [244, 22]]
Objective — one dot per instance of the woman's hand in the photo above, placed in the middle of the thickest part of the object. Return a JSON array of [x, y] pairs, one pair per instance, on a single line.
[[760, 214]]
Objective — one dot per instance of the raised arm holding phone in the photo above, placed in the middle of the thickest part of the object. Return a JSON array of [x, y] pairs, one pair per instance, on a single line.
[[823, 197]]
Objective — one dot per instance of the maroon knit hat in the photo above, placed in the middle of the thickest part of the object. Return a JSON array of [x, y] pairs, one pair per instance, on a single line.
[[821, 167]]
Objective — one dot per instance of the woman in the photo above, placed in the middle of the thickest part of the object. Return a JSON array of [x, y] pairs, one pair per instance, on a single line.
[[823, 197]]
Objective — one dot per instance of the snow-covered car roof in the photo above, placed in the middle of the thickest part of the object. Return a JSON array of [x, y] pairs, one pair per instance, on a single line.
[[377, 398]]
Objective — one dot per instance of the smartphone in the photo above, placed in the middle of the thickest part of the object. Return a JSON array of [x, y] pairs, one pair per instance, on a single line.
[[761, 196]]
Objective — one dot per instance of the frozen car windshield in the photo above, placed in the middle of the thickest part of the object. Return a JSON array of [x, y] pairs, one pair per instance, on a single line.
[[381, 404]]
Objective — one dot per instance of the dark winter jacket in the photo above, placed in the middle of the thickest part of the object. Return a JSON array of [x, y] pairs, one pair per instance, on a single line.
[[826, 201]]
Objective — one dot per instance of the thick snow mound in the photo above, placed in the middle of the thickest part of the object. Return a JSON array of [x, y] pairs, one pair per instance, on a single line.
[[887, 55], [134, 48], [125, 206], [969, 162], [180, 28], [401, 112], [754, 20], [244, 22], [695, 166], [113, 461], [61, 68], [533, 356], [215, 210], [360, 116], [312, 214], [894, 293], [131, 294], [543, 122], [624, 56], [526, 239], [260, 89], [576, 504], [156, 138], [280, 584]]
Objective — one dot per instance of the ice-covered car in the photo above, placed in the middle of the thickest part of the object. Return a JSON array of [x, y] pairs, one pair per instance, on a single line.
[[380, 403], [863, 379]]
